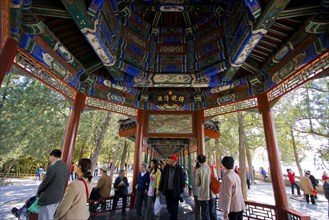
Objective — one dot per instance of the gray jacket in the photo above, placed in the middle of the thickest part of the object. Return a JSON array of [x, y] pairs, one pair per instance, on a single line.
[[51, 190]]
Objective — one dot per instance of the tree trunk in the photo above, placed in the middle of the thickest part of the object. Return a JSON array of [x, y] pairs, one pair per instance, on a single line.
[[99, 142], [249, 159], [128, 154], [308, 109], [116, 152], [242, 156], [82, 151], [124, 155], [295, 152], [218, 158], [7, 170], [4, 95]]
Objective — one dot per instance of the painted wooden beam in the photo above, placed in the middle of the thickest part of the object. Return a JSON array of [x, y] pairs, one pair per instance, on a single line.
[[210, 133], [93, 30], [252, 36], [129, 132], [4, 21]]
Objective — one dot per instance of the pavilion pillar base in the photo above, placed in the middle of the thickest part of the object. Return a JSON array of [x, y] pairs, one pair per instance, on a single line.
[[280, 196], [138, 152], [7, 57], [72, 127]]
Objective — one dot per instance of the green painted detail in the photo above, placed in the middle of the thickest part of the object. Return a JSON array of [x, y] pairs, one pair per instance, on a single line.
[[229, 73], [270, 14], [116, 74], [86, 84], [58, 47], [266, 20], [78, 11], [15, 20], [145, 158], [29, 45], [190, 170], [32, 25], [318, 23]]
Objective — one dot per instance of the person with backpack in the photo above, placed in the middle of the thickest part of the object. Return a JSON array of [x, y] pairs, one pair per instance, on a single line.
[[203, 180]]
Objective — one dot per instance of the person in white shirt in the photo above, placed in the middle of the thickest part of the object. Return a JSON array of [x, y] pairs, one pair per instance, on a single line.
[[203, 180]]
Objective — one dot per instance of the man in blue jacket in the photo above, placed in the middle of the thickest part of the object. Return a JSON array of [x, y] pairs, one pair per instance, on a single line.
[[51, 190], [142, 187]]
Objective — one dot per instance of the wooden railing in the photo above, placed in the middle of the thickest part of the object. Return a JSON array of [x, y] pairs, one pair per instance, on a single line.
[[108, 205], [19, 175], [295, 215], [256, 210], [108, 201]]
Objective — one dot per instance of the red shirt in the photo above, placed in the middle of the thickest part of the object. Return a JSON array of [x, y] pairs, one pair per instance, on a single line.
[[72, 168], [291, 177], [324, 177]]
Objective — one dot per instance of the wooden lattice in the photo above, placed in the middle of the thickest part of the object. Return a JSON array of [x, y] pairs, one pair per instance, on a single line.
[[100, 104], [26, 65], [300, 77], [232, 107]]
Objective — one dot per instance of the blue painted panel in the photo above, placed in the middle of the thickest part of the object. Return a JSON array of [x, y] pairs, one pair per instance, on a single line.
[[209, 49], [211, 60], [117, 37], [190, 55], [215, 69], [134, 48], [151, 60], [107, 32], [171, 39], [114, 5], [138, 25], [25, 40], [254, 7], [75, 80], [203, 22], [171, 31], [131, 70]]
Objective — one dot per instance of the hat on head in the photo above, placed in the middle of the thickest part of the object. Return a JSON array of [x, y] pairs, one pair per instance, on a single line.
[[104, 168], [308, 172], [174, 157]]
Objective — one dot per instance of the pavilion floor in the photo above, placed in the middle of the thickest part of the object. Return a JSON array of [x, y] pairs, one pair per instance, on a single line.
[[19, 190]]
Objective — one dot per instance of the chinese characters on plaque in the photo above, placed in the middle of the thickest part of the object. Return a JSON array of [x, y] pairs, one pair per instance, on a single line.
[[170, 99]]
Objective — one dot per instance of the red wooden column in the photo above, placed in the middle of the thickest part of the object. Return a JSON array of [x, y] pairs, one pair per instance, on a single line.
[[273, 157], [138, 152], [199, 125], [72, 127], [7, 57]]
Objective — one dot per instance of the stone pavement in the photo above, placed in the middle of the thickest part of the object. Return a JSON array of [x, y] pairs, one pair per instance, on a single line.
[[19, 190]]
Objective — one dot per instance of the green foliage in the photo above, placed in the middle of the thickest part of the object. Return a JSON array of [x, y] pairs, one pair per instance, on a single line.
[[33, 119]]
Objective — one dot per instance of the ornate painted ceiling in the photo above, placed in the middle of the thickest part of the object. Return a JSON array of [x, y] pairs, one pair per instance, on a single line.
[[172, 54]]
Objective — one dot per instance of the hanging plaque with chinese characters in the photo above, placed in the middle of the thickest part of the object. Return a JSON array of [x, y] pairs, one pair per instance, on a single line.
[[170, 99]]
